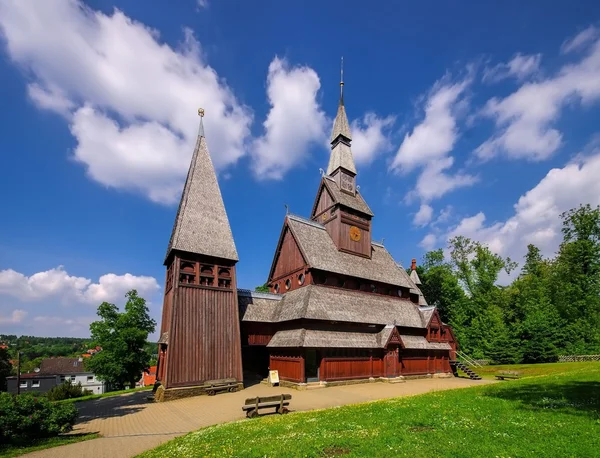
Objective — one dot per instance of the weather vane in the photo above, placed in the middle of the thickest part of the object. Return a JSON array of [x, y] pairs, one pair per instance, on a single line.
[[342, 78]]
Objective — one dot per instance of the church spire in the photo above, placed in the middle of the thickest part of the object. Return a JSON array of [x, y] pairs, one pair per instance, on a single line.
[[201, 225], [341, 154]]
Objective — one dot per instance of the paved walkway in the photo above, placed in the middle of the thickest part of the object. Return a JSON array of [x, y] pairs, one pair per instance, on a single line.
[[130, 425]]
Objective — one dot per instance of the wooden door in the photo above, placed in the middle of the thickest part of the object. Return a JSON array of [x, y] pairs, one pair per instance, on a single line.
[[392, 362]]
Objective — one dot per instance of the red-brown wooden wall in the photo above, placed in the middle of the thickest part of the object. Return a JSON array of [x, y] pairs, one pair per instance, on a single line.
[[290, 368]]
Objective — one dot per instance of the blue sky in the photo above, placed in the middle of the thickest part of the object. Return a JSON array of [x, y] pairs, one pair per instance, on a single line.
[[467, 119]]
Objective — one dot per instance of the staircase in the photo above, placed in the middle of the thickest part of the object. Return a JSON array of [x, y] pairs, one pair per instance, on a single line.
[[464, 363], [463, 367]]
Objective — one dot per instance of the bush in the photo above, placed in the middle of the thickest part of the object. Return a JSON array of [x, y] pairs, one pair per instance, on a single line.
[[26, 417], [67, 391]]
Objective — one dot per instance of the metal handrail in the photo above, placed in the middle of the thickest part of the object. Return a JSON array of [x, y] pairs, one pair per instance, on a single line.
[[468, 361]]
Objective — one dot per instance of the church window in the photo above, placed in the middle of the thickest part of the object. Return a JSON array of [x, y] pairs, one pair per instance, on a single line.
[[276, 287], [301, 279], [288, 284]]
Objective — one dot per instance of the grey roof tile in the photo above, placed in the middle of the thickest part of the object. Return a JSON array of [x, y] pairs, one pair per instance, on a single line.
[[341, 156], [321, 253], [421, 343], [201, 225], [355, 202]]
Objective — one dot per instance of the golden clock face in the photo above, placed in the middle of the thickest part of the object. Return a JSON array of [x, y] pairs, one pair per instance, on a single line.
[[355, 233]]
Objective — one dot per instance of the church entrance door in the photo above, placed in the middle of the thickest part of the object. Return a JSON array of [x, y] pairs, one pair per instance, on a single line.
[[311, 365], [392, 362]]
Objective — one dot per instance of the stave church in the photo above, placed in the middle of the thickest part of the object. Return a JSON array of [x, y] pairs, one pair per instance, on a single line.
[[340, 307]]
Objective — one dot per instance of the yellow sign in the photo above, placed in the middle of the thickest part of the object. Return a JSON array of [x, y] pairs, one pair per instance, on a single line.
[[274, 377]]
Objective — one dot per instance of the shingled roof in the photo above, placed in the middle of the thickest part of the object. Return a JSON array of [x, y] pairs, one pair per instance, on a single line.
[[312, 338], [355, 202], [261, 307], [330, 304], [321, 253], [201, 225]]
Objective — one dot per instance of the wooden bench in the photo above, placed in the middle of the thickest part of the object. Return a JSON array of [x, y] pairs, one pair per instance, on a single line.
[[212, 387], [507, 376], [252, 405]]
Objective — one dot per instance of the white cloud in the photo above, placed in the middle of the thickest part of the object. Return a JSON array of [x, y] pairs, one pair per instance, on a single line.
[[132, 97], [525, 119], [428, 242], [202, 3], [295, 120], [16, 317], [423, 216], [57, 283], [580, 40], [431, 141], [520, 67], [537, 213], [370, 137]]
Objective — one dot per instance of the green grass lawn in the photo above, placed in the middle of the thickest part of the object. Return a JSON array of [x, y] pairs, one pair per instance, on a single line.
[[12, 451], [532, 370], [104, 395], [556, 415]]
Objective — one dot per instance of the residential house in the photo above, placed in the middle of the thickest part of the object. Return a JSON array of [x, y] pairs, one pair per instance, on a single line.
[[53, 372]]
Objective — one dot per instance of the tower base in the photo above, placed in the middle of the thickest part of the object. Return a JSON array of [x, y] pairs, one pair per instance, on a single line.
[[163, 394]]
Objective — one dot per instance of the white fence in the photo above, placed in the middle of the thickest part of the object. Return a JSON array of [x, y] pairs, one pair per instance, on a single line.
[[575, 358]]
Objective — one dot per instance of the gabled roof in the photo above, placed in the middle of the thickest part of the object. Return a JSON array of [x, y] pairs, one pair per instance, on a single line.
[[355, 202], [414, 276], [414, 289], [334, 304], [320, 252], [427, 313], [201, 225], [61, 366]]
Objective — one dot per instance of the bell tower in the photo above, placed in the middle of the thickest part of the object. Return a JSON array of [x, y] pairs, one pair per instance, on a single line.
[[339, 205], [200, 329]]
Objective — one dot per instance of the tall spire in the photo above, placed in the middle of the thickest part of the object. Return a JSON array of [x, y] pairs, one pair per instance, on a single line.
[[341, 155], [201, 225]]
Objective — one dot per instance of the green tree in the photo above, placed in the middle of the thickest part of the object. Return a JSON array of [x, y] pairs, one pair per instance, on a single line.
[[122, 336], [5, 368], [576, 285], [262, 289]]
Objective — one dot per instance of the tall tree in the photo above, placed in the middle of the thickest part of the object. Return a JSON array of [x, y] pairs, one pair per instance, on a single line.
[[122, 336], [577, 277], [5, 368]]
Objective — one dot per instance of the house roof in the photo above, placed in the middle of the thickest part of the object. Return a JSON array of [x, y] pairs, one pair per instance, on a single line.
[[333, 304], [312, 338], [255, 306], [61, 366], [320, 252], [340, 124], [201, 225], [355, 202], [421, 343], [341, 156], [414, 289]]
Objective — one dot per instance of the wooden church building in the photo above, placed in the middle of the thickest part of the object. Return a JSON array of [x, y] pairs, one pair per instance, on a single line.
[[339, 308]]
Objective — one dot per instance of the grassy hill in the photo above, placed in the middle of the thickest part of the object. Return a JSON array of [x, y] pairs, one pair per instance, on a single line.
[[557, 414]]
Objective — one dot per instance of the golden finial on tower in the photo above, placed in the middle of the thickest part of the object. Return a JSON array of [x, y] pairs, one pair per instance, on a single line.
[[201, 127]]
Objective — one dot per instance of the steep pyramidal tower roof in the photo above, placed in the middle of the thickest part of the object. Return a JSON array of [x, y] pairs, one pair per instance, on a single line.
[[201, 225], [341, 154]]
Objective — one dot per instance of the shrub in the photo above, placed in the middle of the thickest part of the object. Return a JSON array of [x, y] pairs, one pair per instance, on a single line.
[[67, 390], [27, 416]]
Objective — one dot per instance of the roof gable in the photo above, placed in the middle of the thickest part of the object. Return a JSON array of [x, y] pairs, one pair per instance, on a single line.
[[320, 252], [287, 240]]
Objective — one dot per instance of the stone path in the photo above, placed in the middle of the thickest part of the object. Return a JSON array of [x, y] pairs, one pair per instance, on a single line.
[[130, 425]]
